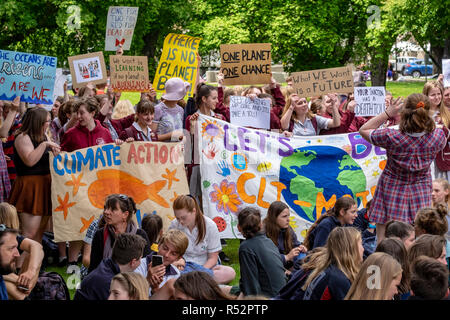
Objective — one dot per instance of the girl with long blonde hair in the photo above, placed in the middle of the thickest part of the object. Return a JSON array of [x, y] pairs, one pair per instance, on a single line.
[[378, 278], [328, 273], [128, 286]]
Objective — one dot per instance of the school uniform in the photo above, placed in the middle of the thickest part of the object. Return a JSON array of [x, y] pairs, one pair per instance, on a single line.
[[80, 137], [172, 272], [115, 126], [96, 284], [282, 249], [262, 271], [346, 120], [135, 132], [319, 236], [405, 185], [330, 284], [198, 253]]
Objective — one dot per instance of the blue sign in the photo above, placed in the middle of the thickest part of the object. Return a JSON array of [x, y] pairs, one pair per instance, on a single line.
[[30, 76]]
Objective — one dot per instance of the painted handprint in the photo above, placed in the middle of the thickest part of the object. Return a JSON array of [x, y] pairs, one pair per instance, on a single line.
[[223, 166], [211, 152]]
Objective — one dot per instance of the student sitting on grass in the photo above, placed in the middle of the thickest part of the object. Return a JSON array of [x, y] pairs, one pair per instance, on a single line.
[[262, 271], [126, 256]]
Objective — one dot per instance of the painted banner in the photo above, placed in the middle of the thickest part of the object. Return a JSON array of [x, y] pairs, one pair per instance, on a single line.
[[87, 68], [446, 72], [248, 63], [129, 73], [120, 27], [243, 167], [152, 173], [178, 60], [28, 75], [369, 101], [314, 83], [248, 112]]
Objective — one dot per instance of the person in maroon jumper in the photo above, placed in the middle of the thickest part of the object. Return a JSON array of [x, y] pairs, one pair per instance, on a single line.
[[140, 130]]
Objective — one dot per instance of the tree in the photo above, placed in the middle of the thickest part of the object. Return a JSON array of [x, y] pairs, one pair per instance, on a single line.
[[428, 21]]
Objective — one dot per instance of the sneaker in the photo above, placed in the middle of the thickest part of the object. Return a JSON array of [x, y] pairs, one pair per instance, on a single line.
[[62, 263]]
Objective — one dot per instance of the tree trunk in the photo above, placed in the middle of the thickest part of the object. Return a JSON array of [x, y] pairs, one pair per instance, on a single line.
[[378, 69], [150, 40]]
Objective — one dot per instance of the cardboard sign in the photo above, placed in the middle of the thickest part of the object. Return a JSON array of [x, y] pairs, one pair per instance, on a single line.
[[251, 113], [178, 60], [369, 101], [129, 73], [446, 72], [28, 75], [246, 63], [151, 173], [314, 83], [87, 68], [120, 27]]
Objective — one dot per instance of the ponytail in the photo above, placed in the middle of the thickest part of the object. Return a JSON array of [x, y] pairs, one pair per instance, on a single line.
[[189, 203]]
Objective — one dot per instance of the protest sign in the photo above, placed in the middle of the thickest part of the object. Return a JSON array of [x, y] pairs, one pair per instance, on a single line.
[[129, 73], [120, 27], [314, 83], [446, 72], [246, 63], [87, 68], [58, 90], [243, 167], [152, 173], [369, 101], [178, 59], [28, 75], [252, 113]]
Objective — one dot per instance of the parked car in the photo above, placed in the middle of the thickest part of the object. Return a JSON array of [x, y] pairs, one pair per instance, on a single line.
[[417, 69], [399, 65]]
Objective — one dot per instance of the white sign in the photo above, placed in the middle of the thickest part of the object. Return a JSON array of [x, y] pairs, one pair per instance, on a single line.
[[120, 27], [88, 69], [250, 113], [446, 72], [369, 101], [58, 90]]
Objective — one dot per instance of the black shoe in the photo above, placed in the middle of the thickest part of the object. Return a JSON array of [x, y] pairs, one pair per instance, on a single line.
[[62, 263], [223, 257]]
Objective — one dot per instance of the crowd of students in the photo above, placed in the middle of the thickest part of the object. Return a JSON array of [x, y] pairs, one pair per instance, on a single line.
[[402, 234]]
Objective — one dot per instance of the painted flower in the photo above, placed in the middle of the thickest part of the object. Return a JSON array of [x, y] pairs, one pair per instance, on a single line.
[[211, 130], [225, 197]]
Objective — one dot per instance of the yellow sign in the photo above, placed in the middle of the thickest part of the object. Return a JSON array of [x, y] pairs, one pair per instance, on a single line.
[[178, 60]]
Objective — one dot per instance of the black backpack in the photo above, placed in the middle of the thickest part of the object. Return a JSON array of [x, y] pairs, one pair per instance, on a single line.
[[50, 286]]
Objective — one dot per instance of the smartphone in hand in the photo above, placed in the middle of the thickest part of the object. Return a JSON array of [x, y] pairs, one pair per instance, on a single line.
[[157, 260]]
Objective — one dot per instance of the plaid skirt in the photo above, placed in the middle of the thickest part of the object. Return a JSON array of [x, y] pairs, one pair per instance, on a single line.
[[396, 199], [5, 183]]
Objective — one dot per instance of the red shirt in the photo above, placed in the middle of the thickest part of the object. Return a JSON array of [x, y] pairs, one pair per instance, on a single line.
[[80, 137]]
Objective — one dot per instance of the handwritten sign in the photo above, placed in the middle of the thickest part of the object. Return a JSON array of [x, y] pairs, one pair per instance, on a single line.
[[129, 73], [178, 59], [314, 83], [252, 113], [87, 68], [255, 168], [151, 173], [446, 72], [246, 63], [369, 101], [120, 27], [28, 75]]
